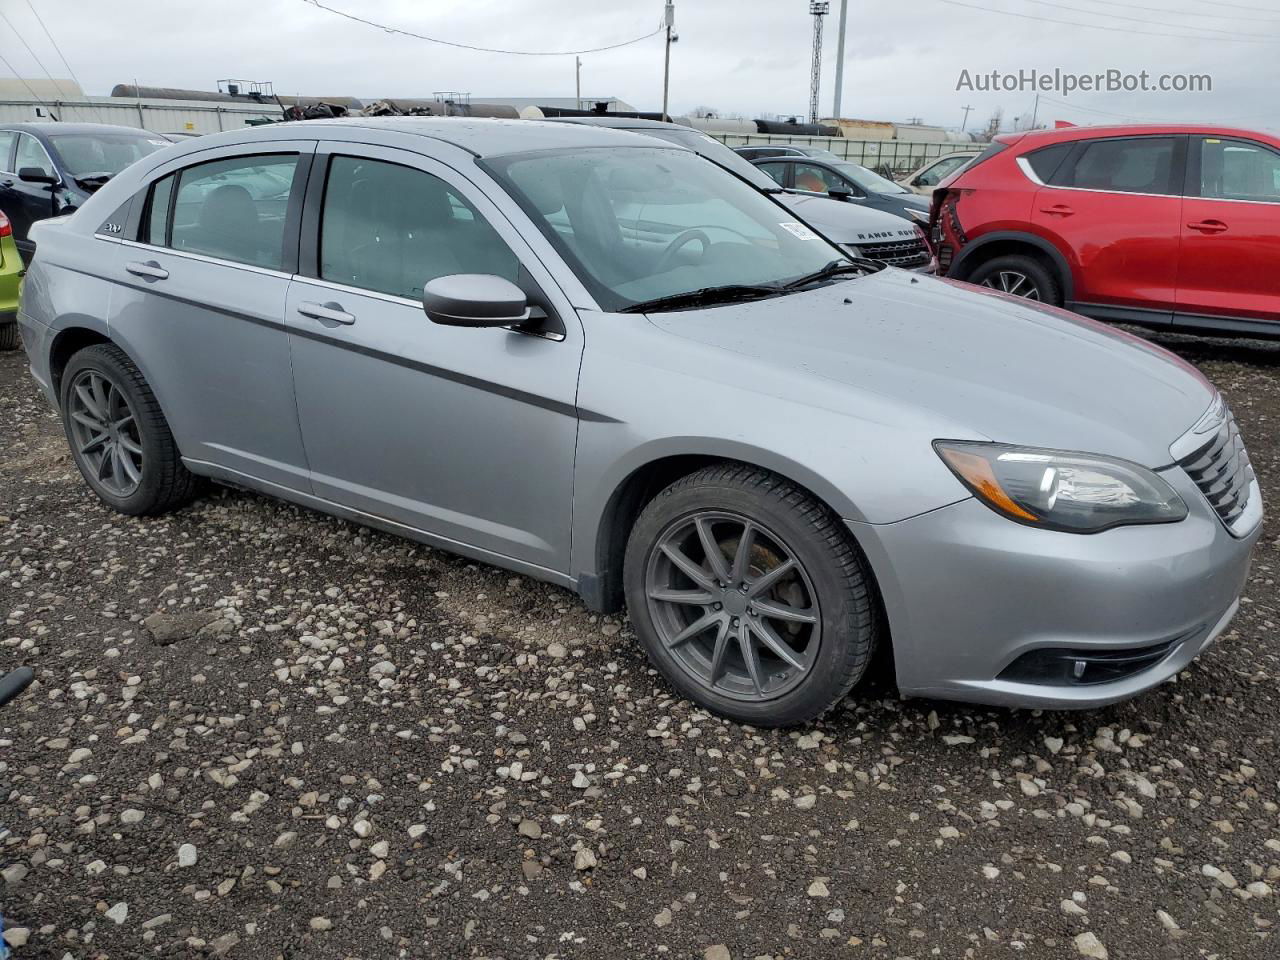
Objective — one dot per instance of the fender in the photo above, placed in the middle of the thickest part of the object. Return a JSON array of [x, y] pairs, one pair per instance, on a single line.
[[958, 266]]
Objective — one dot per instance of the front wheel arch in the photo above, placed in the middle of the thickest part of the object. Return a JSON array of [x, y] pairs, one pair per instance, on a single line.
[[1012, 243]]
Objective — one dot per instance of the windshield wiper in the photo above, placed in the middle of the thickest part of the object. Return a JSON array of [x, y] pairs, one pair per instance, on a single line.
[[832, 269], [707, 296]]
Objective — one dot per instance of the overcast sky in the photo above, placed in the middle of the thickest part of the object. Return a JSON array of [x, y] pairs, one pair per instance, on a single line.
[[902, 59]]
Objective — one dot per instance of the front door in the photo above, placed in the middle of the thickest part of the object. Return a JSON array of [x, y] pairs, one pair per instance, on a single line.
[[1116, 205], [199, 302], [23, 202], [1230, 260], [466, 434]]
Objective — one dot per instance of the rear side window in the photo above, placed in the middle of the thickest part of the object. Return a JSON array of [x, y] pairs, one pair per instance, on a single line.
[[6, 150], [1047, 160], [390, 228], [1139, 165], [231, 209], [1235, 170]]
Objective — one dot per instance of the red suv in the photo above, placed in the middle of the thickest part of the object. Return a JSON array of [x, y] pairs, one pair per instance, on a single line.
[[1164, 226]]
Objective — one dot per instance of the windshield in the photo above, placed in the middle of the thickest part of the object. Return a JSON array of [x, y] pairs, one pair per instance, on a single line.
[[103, 153], [868, 181], [717, 153], [639, 223]]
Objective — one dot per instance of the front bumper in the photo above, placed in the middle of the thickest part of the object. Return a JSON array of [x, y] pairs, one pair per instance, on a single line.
[[968, 592]]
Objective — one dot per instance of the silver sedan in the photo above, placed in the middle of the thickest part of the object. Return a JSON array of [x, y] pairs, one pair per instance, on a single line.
[[601, 361]]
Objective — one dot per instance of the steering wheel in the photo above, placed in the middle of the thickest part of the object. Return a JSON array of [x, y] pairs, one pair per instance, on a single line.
[[676, 245]]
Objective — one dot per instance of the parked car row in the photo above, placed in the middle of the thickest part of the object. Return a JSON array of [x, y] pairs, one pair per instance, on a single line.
[[593, 357]]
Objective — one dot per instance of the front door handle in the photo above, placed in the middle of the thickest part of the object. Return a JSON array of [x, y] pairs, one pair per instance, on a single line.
[[1058, 210], [326, 313], [1208, 226], [151, 270]]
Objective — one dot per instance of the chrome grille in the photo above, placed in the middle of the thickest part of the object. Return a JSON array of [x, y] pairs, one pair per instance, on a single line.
[[1219, 464], [902, 253]]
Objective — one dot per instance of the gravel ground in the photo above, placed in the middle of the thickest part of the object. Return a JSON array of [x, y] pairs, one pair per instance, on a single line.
[[261, 732]]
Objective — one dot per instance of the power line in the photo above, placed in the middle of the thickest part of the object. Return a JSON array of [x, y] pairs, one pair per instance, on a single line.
[[34, 96], [1097, 26], [39, 62], [1120, 16], [467, 46], [1182, 13], [40, 21]]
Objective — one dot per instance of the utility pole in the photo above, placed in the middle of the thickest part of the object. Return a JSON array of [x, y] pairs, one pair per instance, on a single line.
[[964, 123], [819, 9], [577, 82], [844, 14], [669, 21]]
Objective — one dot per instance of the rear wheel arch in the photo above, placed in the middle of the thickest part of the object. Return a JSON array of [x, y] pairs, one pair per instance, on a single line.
[[66, 344], [1012, 243]]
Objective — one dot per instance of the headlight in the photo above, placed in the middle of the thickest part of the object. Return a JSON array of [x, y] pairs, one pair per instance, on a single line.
[[1060, 490], [851, 250], [919, 216]]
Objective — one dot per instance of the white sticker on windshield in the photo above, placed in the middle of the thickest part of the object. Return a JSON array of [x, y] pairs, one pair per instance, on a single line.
[[799, 230]]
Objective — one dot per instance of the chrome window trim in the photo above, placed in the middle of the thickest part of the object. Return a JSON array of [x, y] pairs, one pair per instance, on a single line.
[[1024, 164], [200, 257]]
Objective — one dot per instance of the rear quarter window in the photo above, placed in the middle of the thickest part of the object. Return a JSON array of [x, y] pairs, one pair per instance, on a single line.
[[1048, 160]]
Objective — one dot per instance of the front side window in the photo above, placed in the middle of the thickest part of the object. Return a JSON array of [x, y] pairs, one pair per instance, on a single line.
[[31, 154], [935, 173], [392, 229], [1235, 170], [868, 180], [232, 209], [817, 179], [1139, 165], [776, 171], [640, 223]]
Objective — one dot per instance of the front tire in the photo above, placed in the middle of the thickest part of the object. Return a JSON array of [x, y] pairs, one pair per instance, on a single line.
[[749, 596], [119, 438], [1020, 276]]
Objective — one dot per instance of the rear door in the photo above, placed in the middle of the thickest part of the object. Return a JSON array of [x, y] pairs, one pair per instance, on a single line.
[[1230, 258], [199, 303], [1114, 210], [466, 434]]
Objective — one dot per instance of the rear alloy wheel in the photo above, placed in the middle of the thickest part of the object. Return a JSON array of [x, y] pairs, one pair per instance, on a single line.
[[119, 438], [749, 596], [1019, 276]]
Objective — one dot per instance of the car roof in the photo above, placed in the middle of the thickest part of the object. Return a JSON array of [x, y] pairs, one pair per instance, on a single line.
[[50, 127], [486, 136], [1062, 134], [622, 123]]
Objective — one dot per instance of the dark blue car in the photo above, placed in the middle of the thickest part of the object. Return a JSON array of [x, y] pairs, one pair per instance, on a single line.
[[48, 169]]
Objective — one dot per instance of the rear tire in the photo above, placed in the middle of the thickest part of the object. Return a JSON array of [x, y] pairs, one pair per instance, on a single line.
[[9, 339], [1020, 276], [119, 438], [790, 620]]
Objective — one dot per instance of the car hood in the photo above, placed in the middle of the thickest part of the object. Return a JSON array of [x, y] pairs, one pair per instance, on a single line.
[[968, 364], [842, 222]]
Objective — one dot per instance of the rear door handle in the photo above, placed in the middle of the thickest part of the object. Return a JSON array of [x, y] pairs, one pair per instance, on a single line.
[[1208, 226], [151, 270], [326, 313], [1058, 210]]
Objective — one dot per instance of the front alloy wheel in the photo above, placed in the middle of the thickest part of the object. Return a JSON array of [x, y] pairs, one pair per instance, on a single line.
[[750, 596], [1014, 283], [733, 605]]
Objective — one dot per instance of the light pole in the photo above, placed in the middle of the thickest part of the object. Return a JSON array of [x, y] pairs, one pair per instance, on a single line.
[[669, 21], [577, 82], [844, 14]]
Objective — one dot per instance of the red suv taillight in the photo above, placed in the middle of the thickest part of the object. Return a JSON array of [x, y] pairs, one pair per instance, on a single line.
[[6, 228]]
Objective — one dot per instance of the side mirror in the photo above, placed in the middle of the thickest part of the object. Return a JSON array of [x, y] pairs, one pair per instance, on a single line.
[[474, 300], [36, 175], [840, 193]]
